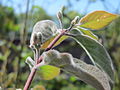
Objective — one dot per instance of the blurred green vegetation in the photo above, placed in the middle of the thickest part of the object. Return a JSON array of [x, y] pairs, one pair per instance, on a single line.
[[13, 52]]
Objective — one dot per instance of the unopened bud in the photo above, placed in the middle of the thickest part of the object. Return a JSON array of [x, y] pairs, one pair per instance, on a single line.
[[75, 20], [60, 15], [62, 9]]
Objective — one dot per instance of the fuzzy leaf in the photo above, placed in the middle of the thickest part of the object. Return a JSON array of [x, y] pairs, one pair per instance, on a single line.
[[48, 72], [43, 33], [88, 73], [97, 20], [97, 54]]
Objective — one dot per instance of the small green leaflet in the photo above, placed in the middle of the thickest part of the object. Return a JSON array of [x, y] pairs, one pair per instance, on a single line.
[[97, 20], [48, 72]]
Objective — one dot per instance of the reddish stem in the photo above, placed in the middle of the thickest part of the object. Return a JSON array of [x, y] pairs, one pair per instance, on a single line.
[[55, 40], [30, 78], [33, 71]]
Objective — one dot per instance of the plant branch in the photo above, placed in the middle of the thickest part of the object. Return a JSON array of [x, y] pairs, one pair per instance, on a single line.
[[33, 71], [30, 78]]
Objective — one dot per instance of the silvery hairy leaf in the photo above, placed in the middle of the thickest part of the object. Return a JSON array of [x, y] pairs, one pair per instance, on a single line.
[[43, 31], [88, 73], [97, 54]]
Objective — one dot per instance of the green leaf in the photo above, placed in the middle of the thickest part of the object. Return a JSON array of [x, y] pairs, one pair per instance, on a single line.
[[88, 73], [97, 20], [48, 72], [96, 53], [43, 34]]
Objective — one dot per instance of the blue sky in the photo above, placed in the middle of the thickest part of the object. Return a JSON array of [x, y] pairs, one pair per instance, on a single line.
[[52, 6]]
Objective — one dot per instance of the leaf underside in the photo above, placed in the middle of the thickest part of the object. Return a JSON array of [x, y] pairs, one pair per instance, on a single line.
[[96, 53], [88, 73]]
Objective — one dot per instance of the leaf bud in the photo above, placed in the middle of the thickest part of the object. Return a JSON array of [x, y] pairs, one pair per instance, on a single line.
[[60, 15], [75, 20]]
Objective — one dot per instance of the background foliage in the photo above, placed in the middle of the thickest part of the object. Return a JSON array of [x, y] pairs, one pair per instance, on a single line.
[[15, 30]]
